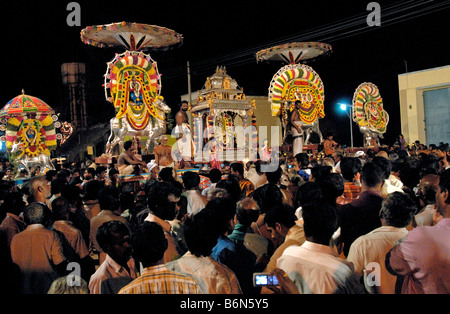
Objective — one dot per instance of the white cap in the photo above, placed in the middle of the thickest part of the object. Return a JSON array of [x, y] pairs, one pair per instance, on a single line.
[[359, 153], [152, 164]]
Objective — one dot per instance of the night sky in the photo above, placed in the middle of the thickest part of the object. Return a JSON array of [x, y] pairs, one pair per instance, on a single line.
[[413, 36]]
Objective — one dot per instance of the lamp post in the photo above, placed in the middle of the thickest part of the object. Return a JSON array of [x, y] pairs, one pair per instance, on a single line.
[[344, 107]]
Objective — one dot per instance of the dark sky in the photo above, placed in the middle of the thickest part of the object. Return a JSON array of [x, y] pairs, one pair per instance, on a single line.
[[413, 36]]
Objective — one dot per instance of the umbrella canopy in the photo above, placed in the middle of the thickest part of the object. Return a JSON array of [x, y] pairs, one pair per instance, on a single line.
[[294, 53], [133, 36], [24, 104]]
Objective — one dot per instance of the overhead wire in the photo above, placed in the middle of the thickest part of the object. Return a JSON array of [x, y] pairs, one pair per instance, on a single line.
[[391, 14]]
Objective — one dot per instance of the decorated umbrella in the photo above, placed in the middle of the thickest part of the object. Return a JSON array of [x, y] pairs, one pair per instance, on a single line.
[[132, 81], [24, 104], [369, 114], [132, 36], [294, 53], [297, 81], [30, 130]]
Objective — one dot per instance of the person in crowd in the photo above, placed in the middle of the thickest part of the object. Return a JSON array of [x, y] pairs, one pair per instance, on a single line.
[[213, 277], [119, 268], [161, 208], [275, 177], [256, 175], [247, 187], [314, 266], [296, 125], [13, 223], [281, 223], [266, 196], [108, 198], [215, 175], [91, 205], [422, 258], [362, 214], [427, 198], [163, 153], [71, 284], [303, 166], [235, 256], [40, 190], [385, 165], [247, 212], [351, 172], [74, 247], [38, 251], [368, 252], [329, 145], [127, 160], [196, 201], [149, 245]]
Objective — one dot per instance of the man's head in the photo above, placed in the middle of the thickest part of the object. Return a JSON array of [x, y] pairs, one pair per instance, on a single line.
[[161, 200], [397, 210], [371, 175], [149, 244], [237, 168], [127, 146], [215, 175], [350, 168], [113, 237], [320, 221], [443, 194], [191, 180], [36, 213], [40, 189], [247, 211], [60, 208], [279, 220], [108, 198], [427, 189]]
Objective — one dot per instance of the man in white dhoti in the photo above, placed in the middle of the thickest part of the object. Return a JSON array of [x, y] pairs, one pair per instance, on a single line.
[[296, 129], [182, 131]]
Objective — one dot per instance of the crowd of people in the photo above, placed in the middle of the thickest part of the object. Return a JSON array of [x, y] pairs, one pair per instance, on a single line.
[[364, 223]]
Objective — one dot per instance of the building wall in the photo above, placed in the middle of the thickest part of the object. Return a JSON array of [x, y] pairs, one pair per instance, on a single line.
[[411, 88]]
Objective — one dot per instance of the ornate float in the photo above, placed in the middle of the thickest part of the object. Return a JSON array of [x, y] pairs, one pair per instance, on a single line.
[[297, 81], [220, 117], [369, 114], [132, 81], [30, 132]]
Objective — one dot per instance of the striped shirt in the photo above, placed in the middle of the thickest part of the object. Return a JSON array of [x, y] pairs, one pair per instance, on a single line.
[[159, 280]]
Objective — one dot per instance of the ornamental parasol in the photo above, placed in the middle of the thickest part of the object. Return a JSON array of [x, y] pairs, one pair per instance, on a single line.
[[133, 36], [368, 108], [294, 53], [23, 105]]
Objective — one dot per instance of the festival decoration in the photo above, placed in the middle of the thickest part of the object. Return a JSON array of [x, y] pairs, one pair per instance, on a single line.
[[132, 81], [30, 131], [297, 81], [220, 107], [369, 114]]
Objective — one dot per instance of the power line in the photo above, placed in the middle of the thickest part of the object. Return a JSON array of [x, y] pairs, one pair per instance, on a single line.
[[392, 14]]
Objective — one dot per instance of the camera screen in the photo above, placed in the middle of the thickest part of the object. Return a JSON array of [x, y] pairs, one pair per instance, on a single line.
[[266, 280]]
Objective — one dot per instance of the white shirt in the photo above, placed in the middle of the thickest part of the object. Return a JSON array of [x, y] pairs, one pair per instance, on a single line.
[[372, 248], [317, 269]]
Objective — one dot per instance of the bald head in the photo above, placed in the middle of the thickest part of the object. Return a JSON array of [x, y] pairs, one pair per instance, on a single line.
[[428, 185]]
